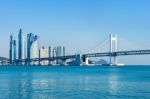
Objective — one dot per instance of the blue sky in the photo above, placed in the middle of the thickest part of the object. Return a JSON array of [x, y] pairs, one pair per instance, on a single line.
[[78, 24]]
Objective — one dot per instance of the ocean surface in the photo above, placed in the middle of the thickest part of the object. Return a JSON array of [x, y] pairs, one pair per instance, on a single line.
[[45, 82]]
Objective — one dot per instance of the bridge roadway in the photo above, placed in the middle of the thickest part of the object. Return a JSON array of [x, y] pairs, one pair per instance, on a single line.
[[119, 53], [55, 58], [107, 54], [48, 58]]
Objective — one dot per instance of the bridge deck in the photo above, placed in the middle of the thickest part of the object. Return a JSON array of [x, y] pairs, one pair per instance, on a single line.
[[119, 53], [48, 58], [109, 54]]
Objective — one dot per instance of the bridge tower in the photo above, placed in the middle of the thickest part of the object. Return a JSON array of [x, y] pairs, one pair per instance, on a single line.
[[113, 48]]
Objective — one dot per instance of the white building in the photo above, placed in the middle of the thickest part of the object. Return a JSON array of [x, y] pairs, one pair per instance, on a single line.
[[35, 49]]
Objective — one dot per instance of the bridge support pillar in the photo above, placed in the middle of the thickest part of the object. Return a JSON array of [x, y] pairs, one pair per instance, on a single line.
[[78, 59], [49, 62], [85, 60], [39, 60], [64, 62], [113, 60]]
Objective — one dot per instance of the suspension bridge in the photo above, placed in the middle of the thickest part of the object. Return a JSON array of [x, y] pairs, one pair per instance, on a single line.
[[111, 51]]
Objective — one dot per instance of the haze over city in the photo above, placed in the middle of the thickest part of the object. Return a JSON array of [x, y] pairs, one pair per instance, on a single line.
[[78, 24]]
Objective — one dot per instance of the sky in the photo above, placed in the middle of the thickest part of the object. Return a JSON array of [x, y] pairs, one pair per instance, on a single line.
[[79, 24]]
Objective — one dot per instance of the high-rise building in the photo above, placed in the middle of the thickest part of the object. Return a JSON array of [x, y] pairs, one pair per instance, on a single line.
[[32, 47], [50, 52], [54, 50], [64, 51], [44, 53], [12, 52], [60, 51], [11, 48], [35, 48], [21, 45], [50, 49], [29, 43]]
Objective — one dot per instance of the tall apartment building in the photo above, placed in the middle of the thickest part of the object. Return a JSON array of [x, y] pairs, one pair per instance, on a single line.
[[32, 47], [12, 51], [22, 45]]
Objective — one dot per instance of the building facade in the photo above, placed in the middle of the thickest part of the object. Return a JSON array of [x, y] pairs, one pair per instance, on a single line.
[[44, 53], [12, 52], [59, 51], [22, 45], [32, 48]]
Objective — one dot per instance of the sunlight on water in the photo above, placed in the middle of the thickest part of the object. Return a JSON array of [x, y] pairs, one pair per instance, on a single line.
[[113, 83]]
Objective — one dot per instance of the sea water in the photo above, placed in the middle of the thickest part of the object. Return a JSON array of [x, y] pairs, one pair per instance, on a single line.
[[45, 82]]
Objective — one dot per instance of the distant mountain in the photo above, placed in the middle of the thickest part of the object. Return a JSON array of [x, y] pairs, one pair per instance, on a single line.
[[101, 61], [98, 62], [3, 58]]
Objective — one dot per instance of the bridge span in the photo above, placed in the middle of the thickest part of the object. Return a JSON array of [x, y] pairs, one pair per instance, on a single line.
[[119, 53], [114, 55], [49, 59]]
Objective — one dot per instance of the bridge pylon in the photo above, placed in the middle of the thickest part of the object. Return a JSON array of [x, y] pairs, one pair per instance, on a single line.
[[113, 48]]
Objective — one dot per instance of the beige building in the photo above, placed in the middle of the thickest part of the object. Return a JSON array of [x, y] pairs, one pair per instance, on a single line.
[[44, 53]]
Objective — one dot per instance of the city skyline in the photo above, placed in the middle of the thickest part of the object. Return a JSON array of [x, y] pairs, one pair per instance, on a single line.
[[76, 23], [29, 48]]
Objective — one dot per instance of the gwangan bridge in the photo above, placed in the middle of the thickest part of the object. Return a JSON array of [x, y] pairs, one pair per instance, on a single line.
[[79, 59]]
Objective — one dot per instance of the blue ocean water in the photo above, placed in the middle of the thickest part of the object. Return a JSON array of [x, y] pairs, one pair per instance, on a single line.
[[37, 82]]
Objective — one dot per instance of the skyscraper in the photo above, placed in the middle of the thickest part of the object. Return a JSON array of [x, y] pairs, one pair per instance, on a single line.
[[54, 55], [21, 45], [32, 47], [12, 52], [35, 47], [11, 49], [60, 51], [50, 54]]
